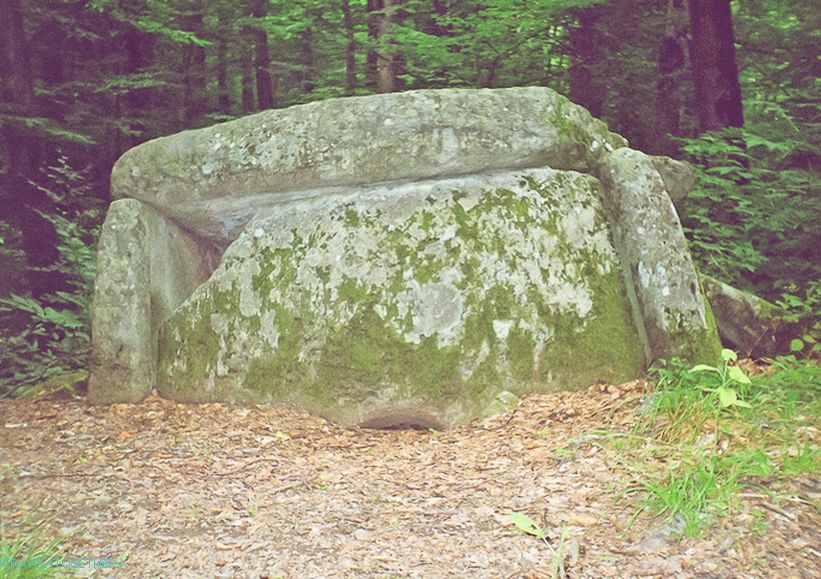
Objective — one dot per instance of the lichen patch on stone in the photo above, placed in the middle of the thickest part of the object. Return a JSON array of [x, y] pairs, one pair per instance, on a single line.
[[369, 288]]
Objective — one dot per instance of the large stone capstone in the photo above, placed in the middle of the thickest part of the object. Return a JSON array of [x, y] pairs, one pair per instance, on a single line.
[[213, 180], [403, 259]]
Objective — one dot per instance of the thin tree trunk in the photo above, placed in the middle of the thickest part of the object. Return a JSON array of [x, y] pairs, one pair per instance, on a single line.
[[247, 70], [224, 37], [440, 10], [492, 69], [350, 51], [433, 25], [262, 61], [53, 67], [195, 103], [17, 86], [139, 50], [587, 83], [386, 63], [223, 95], [247, 84], [671, 63], [712, 58], [17, 195], [554, 33], [307, 73], [372, 61]]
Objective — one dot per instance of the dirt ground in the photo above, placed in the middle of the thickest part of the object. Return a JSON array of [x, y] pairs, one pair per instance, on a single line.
[[216, 490]]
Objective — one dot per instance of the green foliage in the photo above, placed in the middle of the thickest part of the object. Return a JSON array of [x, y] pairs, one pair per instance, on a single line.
[[46, 337], [42, 126], [160, 19], [806, 306], [712, 449], [691, 491], [749, 221], [526, 525], [28, 556], [806, 345], [688, 398], [730, 377], [753, 218], [108, 74]]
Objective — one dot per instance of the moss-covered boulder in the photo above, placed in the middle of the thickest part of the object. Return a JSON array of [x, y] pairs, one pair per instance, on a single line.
[[414, 303], [413, 258]]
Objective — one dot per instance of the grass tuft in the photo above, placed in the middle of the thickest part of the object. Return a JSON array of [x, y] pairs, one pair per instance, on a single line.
[[710, 432], [28, 556]]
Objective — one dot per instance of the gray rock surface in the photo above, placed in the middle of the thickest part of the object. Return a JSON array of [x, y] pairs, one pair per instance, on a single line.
[[664, 288], [679, 177], [393, 259], [213, 180], [146, 266], [421, 302], [749, 324]]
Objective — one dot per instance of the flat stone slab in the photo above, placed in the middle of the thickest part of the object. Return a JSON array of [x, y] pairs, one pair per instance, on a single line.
[[213, 180]]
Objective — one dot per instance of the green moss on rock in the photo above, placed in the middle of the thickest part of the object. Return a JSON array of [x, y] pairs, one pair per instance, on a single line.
[[430, 302]]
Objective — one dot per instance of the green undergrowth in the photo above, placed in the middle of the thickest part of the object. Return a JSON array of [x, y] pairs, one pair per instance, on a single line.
[[704, 435], [30, 555]]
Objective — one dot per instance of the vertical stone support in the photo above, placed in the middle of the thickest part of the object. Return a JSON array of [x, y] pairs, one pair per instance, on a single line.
[[146, 266], [668, 305]]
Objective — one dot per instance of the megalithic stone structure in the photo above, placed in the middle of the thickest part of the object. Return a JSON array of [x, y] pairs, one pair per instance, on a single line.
[[410, 258]]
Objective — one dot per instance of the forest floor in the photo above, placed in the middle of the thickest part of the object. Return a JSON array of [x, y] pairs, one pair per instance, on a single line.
[[212, 490]]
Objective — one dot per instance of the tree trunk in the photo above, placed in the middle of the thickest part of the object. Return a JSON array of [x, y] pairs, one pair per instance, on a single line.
[[372, 62], [262, 61], [555, 35], [712, 58], [52, 66], [588, 86], [440, 10], [17, 87], [247, 70], [195, 103], [382, 61], [139, 49], [224, 37], [17, 195], [492, 69], [223, 95], [307, 74], [247, 83], [350, 51], [433, 25], [386, 63], [671, 64]]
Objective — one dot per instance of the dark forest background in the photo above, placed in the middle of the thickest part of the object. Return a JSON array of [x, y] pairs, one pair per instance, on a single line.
[[731, 86]]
